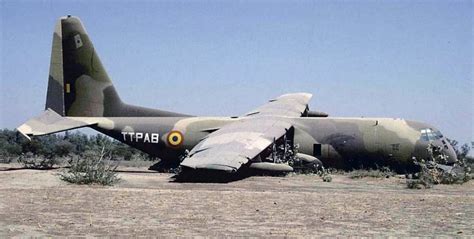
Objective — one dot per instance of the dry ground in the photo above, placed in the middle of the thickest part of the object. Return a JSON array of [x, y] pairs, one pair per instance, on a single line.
[[37, 203]]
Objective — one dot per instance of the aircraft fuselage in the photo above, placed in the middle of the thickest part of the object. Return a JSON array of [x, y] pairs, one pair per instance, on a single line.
[[338, 142]]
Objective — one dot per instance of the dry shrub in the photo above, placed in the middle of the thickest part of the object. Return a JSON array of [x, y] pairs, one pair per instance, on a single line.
[[92, 168], [383, 172], [325, 176], [31, 161], [324, 173], [6, 158]]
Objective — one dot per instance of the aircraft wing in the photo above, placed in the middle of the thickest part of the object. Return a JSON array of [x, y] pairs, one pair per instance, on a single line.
[[235, 144], [290, 105], [50, 122]]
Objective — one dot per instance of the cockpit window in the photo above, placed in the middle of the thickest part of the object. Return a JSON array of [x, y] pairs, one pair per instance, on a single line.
[[438, 134], [430, 134]]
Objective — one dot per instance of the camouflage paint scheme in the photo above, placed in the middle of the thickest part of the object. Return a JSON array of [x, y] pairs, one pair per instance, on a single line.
[[80, 94], [345, 142]]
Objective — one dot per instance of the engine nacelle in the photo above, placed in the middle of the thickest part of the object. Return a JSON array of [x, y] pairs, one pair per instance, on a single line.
[[311, 113], [309, 161], [272, 167]]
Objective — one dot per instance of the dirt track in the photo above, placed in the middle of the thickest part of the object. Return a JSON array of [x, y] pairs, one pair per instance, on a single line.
[[37, 203]]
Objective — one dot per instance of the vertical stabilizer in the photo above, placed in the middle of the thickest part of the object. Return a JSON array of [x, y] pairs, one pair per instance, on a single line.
[[78, 83], [88, 91]]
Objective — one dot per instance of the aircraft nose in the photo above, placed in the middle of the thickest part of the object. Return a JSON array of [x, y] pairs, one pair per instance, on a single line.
[[445, 147], [449, 151]]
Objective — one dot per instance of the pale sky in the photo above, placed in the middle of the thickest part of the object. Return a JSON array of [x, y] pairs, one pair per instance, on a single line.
[[401, 59]]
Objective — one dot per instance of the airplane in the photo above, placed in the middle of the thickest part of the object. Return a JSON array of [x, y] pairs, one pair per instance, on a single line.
[[279, 136]]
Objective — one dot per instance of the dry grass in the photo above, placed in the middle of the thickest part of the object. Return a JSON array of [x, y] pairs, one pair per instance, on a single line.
[[372, 173]]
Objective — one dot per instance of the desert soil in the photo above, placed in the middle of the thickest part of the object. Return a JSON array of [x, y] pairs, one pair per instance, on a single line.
[[145, 203]]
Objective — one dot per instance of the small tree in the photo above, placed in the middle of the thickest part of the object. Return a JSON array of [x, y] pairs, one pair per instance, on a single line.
[[63, 148]]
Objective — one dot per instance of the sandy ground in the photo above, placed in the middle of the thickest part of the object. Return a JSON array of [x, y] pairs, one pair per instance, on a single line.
[[145, 203]]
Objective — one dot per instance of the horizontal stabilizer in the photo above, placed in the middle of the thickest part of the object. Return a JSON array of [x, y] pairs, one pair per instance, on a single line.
[[50, 122]]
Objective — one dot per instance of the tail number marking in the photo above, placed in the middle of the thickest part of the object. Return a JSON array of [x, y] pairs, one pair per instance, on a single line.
[[153, 138]]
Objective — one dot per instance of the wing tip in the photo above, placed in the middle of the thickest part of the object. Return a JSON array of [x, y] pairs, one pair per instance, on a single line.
[[25, 130]]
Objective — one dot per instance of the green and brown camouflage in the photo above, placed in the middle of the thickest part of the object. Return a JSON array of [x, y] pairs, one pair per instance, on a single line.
[[78, 83], [338, 142], [80, 94]]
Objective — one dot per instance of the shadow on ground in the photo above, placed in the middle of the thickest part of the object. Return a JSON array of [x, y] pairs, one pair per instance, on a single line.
[[215, 176]]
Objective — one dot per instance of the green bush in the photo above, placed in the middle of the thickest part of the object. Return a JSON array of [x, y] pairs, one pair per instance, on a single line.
[[93, 167], [13, 145], [31, 161], [4, 158]]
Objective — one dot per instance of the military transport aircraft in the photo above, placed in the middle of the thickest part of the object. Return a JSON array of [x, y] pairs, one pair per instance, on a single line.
[[80, 94]]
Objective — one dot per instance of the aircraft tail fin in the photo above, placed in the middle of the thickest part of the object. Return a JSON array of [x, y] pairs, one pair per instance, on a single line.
[[78, 82]]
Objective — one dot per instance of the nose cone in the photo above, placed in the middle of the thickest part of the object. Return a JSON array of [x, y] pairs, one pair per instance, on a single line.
[[449, 151], [421, 150]]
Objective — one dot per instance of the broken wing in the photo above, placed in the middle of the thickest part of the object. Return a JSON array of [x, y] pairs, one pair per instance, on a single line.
[[233, 145]]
